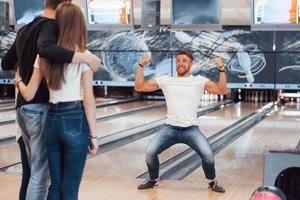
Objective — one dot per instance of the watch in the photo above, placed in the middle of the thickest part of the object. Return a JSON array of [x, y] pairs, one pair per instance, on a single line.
[[222, 70]]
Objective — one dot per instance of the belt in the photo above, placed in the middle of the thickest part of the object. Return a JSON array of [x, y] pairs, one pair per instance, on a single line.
[[68, 104]]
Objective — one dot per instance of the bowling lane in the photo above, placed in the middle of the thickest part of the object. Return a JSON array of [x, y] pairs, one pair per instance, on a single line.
[[8, 130], [118, 168], [240, 166], [104, 100], [9, 153], [10, 115], [213, 122], [9, 100], [125, 107], [122, 123], [129, 160], [6, 105]]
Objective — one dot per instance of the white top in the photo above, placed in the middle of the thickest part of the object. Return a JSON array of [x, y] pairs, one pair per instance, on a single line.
[[71, 89], [183, 96]]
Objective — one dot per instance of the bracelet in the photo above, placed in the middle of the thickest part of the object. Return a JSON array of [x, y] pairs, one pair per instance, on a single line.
[[142, 66], [19, 82], [92, 137], [222, 70]]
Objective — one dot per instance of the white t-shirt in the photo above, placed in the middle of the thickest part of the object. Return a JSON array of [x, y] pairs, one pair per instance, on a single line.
[[183, 96], [71, 89]]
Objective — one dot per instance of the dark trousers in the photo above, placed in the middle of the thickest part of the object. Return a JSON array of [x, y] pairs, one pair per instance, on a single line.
[[26, 170]]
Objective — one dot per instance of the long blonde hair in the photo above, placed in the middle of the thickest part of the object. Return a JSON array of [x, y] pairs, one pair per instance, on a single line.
[[72, 35]]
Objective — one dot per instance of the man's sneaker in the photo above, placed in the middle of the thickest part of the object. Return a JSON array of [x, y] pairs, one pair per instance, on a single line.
[[147, 184], [214, 186]]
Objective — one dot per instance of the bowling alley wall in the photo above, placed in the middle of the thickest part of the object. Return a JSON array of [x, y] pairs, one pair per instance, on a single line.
[[254, 59]]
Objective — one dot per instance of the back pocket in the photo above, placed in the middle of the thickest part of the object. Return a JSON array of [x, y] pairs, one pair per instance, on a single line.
[[33, 120], [72, 125]]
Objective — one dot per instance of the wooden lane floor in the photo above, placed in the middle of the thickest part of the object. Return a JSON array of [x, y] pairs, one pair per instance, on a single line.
[[125, 107], [7, 105], [11, 104], [216, 121], [9, 154], [240, 166], [134, 152], [102, 99], [8, 130], [112, 175], [118, 168], [122, 123]]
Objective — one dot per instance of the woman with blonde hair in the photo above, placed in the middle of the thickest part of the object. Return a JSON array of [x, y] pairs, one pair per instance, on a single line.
[[70, 126]]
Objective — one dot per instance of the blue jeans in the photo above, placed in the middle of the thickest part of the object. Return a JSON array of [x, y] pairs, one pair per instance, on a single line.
[[67, 146], [31, 119], [171, 135]]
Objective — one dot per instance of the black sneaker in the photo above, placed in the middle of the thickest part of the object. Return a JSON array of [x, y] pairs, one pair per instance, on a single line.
[[214, 186], [147, 184]]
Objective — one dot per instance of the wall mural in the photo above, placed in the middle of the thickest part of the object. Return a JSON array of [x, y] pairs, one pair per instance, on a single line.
[[121, 51], [288, 60], [248, 56], [6, 40]]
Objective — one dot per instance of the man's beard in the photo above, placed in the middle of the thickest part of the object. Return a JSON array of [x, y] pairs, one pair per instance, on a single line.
[[182, 72]]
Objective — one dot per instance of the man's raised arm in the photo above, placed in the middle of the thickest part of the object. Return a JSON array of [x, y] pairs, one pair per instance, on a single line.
[[142, 85], [221, 86]]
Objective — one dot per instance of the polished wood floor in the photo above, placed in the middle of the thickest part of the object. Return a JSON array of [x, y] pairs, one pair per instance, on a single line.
[[239, 166]]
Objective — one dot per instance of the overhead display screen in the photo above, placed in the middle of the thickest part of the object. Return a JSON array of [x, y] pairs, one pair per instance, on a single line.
[[26, 10], [109, 11], [195, 12], [275, 11]]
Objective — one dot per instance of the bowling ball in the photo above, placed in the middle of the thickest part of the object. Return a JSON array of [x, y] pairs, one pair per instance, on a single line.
[[268, 193]]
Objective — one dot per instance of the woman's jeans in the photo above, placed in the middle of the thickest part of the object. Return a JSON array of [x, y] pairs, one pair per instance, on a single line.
[[31, 119], [171, 135], [67, 146]]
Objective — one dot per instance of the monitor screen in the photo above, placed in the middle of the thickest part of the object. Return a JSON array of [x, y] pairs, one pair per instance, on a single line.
[[109, 12], [196, 12], [26, 10], [275, 11]]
